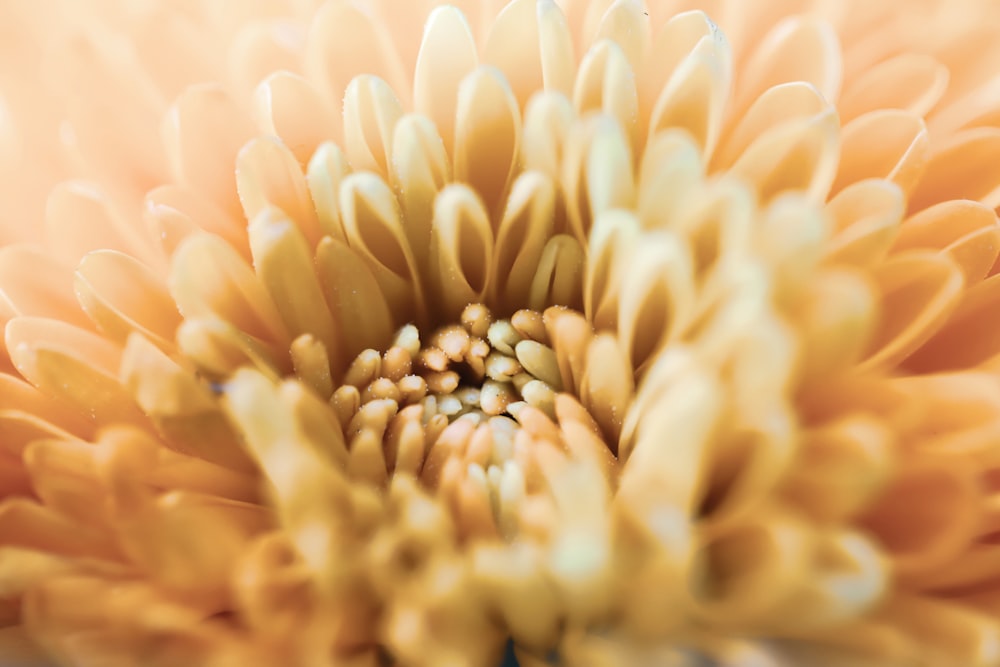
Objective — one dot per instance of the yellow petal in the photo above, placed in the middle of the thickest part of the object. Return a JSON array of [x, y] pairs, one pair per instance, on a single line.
[[327, 168], [183, 407], [669, 172], [355, 299], [613, 240], [966, 338], [282, 260]]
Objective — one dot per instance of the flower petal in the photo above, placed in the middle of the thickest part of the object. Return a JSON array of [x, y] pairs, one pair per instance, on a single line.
[[964, 168], [866, 218], [461, 248], [913, 82], [886, 144], [605, 82], [371, 112], [487, 135], [286, 106], [447, 55], [530, 43]]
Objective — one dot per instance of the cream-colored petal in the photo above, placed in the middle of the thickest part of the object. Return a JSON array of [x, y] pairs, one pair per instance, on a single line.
[[963, 168], [487, 135], [525, 228], [559, 276], [597, 173], [910, 81], [327, 168], [79, 218], [202, 132], [613, 240], [797, 49], [260, 49], [696, 94], [547, 122], [122, 295], [447, 55], [345, 41], [670, 171], [420, 168], [461, 249], [656, 296], [355, 298], [75, 365], [791, 239], [173, 212], [531, 44], [626, 22], [837, 320], [218, 349], [268, 175], [46, 294], [919, 292], [371, 112], [605, 82], [286, 106], [283, 263], [717, 224], [666, 435], [608, 385], [800, 156], [183, 407], [966, 230], [888, 144], [209, 279], [375, 232], [866, 218], [775, 107]]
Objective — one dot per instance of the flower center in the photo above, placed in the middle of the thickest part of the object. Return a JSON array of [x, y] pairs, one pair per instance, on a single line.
[[467, 410]]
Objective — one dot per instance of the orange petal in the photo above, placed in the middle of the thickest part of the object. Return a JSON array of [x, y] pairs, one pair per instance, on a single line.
[[968, 336], [286, 106], [911, 81], [963, 168], [886, 144], [919, 292]]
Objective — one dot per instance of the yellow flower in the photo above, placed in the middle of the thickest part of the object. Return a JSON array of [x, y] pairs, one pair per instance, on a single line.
[[386, 333]]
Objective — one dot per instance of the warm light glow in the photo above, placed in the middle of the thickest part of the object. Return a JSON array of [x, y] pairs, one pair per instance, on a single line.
[[367, 333]]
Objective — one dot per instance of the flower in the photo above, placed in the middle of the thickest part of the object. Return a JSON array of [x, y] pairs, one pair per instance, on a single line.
[[378, 333]]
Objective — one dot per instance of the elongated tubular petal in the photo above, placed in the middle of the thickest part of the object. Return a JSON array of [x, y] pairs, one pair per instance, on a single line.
[[559, 275], [74, 365], [447, 55], [487, 135], [375, 232], [288, 107], [326, 170], [269, 175], [283, 262], [605, 82], [371, 112], [209, 279], [121, 295], [525, 228], [461, 248], [420, 168], [355, 299]]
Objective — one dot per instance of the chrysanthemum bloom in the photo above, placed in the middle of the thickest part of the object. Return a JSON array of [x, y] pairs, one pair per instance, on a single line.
[[387, 333]]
